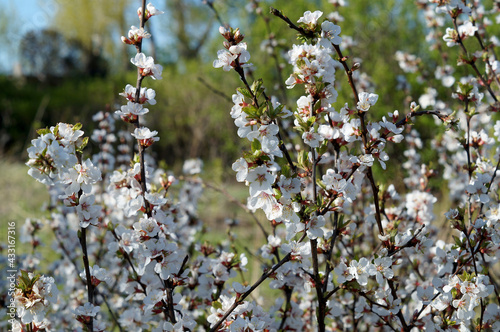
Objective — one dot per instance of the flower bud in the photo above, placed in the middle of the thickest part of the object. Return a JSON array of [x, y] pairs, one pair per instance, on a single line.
[[238, 36]]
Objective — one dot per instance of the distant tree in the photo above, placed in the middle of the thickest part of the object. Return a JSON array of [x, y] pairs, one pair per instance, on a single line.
[[95, 24], [47, 53], [191, 26]]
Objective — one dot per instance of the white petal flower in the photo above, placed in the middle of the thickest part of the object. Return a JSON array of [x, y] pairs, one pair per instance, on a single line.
[[310, 18]]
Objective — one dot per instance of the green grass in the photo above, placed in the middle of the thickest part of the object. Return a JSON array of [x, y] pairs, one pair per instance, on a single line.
[[22, 197]]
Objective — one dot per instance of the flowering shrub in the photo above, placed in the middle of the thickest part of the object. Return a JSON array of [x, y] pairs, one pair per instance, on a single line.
[[343, 250]]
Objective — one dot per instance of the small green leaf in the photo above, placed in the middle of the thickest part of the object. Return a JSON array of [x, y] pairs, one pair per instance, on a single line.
[[245, 92], [84, 143], [274, 113], [217, 305], [323, 148], [43, 131], [251, 111], [256, 146]]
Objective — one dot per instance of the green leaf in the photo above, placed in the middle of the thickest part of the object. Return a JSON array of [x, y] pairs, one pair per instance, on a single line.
[[274, 113], [257, 87], [84, 143], [256, 146], [56, 130], [310, 209], [217, 305], [302, 157], [245, 92], [457, 241], [262, 109], [43, 131], [285, 167], [251, 111], [323, 148], [277, 193]]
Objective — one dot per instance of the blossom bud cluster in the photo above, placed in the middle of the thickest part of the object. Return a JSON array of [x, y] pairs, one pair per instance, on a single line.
[[54, 160], [235, 52], [33, 297]]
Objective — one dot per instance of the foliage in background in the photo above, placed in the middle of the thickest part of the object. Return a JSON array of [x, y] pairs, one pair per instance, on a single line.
[[382, 27]]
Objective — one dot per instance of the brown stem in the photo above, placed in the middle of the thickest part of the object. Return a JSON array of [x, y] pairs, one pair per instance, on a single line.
[[170, 301], [240, 299], [90, 287], [216, 13], [348, 71], [488, 62], [282, 146], [329, 265], [364, 137], [82, 237], [275, 58], [288, 295], [138, 86], [305, 33], [321, 311], [471, 63]]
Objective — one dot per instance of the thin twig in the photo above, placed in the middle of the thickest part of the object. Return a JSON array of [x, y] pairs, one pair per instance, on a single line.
[[239, 300]]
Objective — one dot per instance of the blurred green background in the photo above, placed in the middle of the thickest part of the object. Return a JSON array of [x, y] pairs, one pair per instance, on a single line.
[[75, 65], [62, 61]]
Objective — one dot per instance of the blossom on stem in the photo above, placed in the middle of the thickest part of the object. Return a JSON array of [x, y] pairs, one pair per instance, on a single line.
[[97, 275], [32, 303], [145, 136], [451, 37], [88, 212], [135, 35], [312, 138], [131, 111], [260, 180], [146, 95], [241, 167], [366, 100], [85, 312], [227, 58], [467, 29], [329, 34], [150, 11], [361, 270], [310, 18], [383, 269], [81, 177], [147, 66]]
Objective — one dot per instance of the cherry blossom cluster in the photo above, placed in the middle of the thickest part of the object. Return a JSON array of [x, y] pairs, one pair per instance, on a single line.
[[33, 298], [407, 224], [342, 249], [55, 159]]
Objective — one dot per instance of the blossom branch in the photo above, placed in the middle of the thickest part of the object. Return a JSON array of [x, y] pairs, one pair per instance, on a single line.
[[483, 81], [488, 62], [141, 148], [239, 300], [302, 31]]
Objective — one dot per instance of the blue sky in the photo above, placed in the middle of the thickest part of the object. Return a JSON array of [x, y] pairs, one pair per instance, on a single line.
[[27, 15]]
